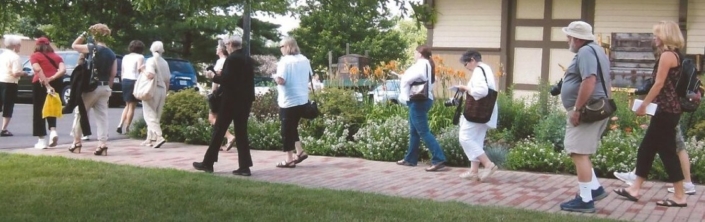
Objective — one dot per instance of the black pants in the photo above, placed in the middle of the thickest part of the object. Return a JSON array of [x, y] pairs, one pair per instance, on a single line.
[[39, 95], [8, 95], [660, 138], [290, 125], [237, 113]]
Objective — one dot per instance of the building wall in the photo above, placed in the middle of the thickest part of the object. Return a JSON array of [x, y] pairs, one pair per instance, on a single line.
[[451, 59], [636, 16], [696, 27], [468, 23]]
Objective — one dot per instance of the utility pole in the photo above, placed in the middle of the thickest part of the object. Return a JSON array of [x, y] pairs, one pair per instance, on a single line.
[[247, 28]]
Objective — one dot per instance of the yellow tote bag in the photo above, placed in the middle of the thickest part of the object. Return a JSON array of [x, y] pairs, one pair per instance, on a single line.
[[52, 106]]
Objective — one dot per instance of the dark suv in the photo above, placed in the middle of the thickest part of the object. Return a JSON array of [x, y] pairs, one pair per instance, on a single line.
[[70, 61], [183, 75]]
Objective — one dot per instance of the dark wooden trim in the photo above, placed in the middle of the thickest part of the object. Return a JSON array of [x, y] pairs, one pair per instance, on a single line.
[[546, 52], [523, 86], [463, 49], [504, 44], [511, 33], [588, 12], [429, 32], [683, 20]]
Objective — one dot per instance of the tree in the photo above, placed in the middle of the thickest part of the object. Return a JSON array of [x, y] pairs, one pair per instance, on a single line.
[[328, 25], [187, 32], [414, 35]]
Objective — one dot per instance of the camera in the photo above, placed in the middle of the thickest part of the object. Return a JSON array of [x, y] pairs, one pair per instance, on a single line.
[[645, 88], [451, 102], [210, 68], [556, 89]]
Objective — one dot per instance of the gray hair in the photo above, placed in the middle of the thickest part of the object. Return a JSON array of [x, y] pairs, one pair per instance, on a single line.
[[234, 40], [12, 40], [290, 46], [157, 46], [471, 55]]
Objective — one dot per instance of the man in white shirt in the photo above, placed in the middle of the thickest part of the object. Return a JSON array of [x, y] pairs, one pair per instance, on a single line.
[[10, 73]]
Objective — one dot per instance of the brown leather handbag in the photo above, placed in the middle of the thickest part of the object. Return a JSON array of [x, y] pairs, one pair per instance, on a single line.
[[480, 110]]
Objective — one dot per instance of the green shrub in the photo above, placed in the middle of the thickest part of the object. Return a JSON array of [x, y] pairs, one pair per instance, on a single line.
[[138, 129], [626, 120], [455, 155], [693, 124], [265, 105], [617, 152], [532, 155], [333, 141], [440, 116], [384, 140], [497, 153], [384, 111], [551, 129], [182, 109], [342, 102], [198, 133], [265, 133], [516, 117]]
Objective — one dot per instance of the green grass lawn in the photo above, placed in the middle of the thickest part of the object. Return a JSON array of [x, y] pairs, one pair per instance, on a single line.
[[42, 188]]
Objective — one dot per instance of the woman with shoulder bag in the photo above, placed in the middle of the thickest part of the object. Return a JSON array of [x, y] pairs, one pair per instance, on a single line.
[[49, 69], [130, 70], [417, 91], [472, 134], [156, 69]]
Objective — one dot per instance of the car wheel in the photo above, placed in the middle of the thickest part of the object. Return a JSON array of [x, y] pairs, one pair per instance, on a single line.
[[66, 94]]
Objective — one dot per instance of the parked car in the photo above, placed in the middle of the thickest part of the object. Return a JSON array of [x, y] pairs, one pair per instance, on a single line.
[[70, 61], [183, 75], [385, 92]]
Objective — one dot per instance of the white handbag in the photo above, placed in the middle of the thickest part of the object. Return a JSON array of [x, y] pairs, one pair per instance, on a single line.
[[144, 87]]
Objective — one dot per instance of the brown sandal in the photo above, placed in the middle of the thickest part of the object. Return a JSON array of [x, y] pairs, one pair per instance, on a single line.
[[284, 164], [436, 167]]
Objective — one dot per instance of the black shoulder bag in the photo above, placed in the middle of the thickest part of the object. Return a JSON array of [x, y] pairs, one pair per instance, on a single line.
[[598, 109], [310, 110]]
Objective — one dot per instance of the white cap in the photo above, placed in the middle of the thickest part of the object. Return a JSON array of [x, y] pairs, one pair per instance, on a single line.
[[579, 29]]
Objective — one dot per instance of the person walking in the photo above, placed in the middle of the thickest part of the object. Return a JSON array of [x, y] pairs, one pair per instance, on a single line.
[[49, 70], [238, 85], [472, 135], [105, 69], [131, 64], [156, 68], [586, 78], [214, 98], [10, 74], [660, 136], [421, 73]]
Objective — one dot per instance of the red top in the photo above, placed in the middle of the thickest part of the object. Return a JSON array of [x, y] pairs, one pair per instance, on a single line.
[[47, 67]]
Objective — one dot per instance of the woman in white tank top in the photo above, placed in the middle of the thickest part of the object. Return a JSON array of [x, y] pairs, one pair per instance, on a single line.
[[213, 115], [130, 70]]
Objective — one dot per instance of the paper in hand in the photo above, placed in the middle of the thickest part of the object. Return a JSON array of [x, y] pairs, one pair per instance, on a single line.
[[650, 109]]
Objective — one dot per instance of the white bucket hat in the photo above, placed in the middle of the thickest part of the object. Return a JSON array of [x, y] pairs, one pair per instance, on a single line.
[[579, 29]]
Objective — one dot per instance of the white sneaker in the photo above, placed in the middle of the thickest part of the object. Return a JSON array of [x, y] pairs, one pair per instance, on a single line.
[[41, 144], [85, 138], [628, 177], [690, 190], [53, 139]]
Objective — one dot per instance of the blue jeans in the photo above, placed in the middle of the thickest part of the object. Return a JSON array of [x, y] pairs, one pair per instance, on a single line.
[[418, 129]]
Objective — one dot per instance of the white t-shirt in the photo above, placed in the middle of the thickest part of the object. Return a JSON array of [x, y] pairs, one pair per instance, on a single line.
[[418, 72], [9, 65], [130, 70], [294, 69], [219, 65]]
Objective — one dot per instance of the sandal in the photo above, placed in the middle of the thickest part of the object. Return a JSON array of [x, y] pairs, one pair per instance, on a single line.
[[623, 192], [5, 133], [436, 167], [670, 203], [284, 164], [301, 157], [488, 173], [404, 163], [230, 144]]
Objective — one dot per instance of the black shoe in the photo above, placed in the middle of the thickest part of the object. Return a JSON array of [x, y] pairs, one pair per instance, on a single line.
[[242, 172], [119, 130], [203, 167]]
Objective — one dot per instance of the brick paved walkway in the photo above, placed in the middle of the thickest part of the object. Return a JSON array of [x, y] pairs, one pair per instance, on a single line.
[[542, 192]]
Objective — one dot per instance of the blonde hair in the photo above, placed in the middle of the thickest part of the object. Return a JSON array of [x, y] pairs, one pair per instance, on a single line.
[[670, 35], [100, 32], [290, 46]]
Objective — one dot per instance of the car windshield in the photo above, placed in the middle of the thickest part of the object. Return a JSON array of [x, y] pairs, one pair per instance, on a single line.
[[180, 66]]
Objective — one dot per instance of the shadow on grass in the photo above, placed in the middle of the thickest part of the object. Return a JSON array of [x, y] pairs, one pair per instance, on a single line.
[[42, 188]]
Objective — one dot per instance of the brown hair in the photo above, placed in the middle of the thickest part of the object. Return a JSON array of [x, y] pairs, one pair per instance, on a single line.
[[44, 48], [100, 32], [425, 52], [136, 46]]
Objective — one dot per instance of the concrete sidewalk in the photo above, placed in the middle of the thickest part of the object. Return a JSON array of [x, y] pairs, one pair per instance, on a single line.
[[532, 191]]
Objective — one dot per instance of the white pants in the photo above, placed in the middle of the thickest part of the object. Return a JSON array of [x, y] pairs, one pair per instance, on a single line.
[[98, 102], [152, 112], [472, 138]]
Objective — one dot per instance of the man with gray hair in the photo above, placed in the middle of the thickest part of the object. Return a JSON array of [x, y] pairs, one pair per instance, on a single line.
[[10, 73], [238, 92], [582, 82]]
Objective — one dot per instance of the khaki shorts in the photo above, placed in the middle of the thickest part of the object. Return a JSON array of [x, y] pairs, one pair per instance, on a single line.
[[584, 138], [680, 141]]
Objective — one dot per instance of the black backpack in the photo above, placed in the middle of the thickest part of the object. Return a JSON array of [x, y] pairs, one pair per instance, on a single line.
[[688, 86]]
